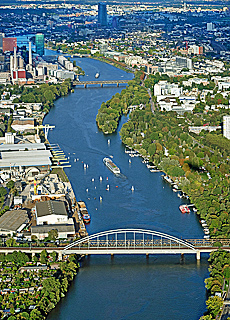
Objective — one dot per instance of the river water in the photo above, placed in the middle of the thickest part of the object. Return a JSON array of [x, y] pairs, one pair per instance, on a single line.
[[125, 287]]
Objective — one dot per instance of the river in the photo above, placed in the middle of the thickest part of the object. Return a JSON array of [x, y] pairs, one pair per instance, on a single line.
[[125, 287]]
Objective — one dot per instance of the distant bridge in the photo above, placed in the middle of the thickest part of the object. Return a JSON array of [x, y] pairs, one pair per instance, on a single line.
[[129, 241], [100, 82]]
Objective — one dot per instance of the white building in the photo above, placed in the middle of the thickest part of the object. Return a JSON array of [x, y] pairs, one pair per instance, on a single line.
[[210, 26], [226, 126], [164, 88], [51, 212]]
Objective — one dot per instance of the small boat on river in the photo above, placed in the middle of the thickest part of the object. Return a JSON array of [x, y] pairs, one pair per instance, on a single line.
[[184, 208]]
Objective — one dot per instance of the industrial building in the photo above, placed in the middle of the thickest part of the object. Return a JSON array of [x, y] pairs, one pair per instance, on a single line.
[[28, 158], [13, 221], [64, 231], [51, 212]]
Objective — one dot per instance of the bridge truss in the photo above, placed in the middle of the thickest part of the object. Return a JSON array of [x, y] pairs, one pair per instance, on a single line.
[[122, 240]]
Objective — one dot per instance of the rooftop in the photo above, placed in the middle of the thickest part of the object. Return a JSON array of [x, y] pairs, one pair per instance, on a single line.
[[59, 227], [12, 220], [49, 207]]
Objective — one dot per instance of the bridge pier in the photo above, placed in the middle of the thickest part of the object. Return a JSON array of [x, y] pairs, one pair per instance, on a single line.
[[198, 255], [101, 85], [85, 85], [117, 84]]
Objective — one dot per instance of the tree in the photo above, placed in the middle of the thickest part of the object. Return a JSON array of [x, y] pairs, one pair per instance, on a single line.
[[10, 184], [214, 304], [43, 257], [53, 234], [35, 314], [152, 149], [3, 191], [11, 242]]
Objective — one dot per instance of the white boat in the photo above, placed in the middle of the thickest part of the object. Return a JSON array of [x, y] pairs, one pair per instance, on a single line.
[[97, 75], [109, 164], [132, 188], [100, 178], [100, 198]]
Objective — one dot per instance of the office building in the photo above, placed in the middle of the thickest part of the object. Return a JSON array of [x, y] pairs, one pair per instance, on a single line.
[[102, 14], [39, 43], [8, 44], [210, 26], [226, 126], [2, 35]]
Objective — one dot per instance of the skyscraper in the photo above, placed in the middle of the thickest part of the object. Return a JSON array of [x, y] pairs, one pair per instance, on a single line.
[[102, 14], [39, 43], [8, 44]]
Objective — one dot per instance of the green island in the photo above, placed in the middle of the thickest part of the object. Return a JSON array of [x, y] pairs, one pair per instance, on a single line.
[[32, 286], [198, 163], [110, 112]]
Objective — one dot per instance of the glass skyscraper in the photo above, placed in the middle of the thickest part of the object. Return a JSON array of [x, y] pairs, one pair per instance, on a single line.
[[102, 14], [39, 43]]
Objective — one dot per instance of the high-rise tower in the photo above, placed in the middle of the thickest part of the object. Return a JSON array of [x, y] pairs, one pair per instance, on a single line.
[[102, 14], [39, 42]]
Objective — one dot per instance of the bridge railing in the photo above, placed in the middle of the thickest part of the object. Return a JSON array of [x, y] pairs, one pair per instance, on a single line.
[[129, 244]]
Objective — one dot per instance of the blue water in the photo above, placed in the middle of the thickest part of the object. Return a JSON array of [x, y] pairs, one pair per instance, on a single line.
[[126, 287]]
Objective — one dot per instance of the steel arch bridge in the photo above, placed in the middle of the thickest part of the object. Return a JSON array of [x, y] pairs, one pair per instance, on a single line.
[[131, 241]]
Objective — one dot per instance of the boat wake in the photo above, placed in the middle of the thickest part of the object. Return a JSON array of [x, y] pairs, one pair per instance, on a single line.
[[121, 175]]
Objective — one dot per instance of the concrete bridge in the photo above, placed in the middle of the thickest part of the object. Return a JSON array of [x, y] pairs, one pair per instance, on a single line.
[[100, 82], [130, 241]]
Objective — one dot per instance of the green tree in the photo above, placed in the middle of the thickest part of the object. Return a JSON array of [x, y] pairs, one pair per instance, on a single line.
[[35, 314], [53, 234], [11, 242], [44, 257], [214, 304], [10, 184]]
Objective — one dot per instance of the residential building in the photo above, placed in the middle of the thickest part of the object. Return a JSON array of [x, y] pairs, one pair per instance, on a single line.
[[226, 126]]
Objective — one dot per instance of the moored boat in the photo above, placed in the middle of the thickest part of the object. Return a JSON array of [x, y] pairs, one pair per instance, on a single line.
[[184, 208]]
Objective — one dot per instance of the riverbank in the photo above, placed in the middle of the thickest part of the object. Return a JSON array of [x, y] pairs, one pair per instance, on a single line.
[[114, 63]]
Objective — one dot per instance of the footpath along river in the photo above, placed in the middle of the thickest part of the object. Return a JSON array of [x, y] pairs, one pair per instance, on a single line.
[[126, 287]]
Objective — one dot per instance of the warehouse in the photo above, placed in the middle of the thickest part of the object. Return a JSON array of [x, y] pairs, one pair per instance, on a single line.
[[64, 230], [12, 222], [29, 158]]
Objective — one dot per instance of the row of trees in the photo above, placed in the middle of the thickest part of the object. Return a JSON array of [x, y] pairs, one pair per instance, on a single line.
[[217, 282], [45, 93], [153, 134]]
